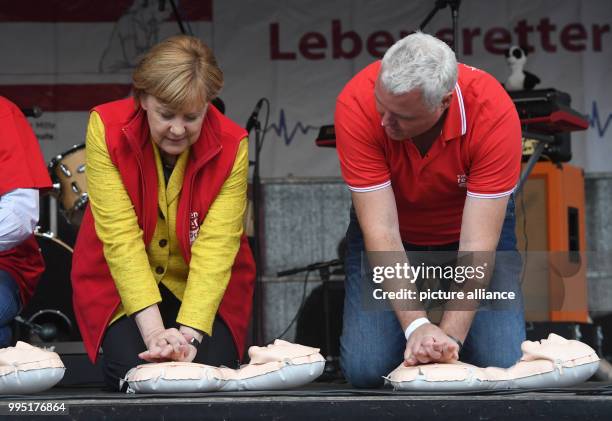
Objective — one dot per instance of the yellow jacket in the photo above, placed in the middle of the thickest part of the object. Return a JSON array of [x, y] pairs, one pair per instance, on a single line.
[[137, 270]]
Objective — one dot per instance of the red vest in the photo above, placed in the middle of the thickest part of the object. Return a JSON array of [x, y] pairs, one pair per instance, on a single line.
[[22, 166], [211, 160]]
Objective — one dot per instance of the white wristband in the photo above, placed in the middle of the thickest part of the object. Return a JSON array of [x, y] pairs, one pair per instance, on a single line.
[[415, 325]]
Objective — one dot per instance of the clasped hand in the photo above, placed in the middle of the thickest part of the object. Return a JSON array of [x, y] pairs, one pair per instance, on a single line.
[[168, 345], [429, 344]]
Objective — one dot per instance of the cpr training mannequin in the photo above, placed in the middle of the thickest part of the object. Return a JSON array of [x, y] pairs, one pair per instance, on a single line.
[[552, 362], [27, 369], [282, 365]]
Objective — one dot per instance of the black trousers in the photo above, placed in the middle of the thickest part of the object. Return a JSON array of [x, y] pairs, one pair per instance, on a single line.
[[122, 343]]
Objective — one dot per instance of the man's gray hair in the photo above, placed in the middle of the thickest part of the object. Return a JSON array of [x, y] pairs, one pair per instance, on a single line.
[[420, 61]]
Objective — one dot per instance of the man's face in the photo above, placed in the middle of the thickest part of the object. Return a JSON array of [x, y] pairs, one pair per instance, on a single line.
[[406, 115]]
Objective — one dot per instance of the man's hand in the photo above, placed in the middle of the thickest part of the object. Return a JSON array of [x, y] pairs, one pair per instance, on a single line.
[[429, 344]]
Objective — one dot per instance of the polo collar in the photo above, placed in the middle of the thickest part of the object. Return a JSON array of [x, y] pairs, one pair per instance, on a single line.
[[455, 125]]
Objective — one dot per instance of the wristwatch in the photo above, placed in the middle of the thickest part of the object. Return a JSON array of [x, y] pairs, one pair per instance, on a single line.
[[193, 341]]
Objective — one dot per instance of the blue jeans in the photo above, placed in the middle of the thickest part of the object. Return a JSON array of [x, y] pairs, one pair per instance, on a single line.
[[9, 307], [373, 343]]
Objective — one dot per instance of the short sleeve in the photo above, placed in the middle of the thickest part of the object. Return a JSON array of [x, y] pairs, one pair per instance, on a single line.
[[496, 151], [362, 158], [21, 159]]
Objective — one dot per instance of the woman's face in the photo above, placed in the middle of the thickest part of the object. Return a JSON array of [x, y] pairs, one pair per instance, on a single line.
[[173, 131]]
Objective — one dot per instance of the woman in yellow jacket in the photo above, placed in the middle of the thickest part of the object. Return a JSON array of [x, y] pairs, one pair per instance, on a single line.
[[161, 269]]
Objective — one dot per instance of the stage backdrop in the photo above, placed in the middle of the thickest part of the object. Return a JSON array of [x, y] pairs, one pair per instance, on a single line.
[[68, 55]]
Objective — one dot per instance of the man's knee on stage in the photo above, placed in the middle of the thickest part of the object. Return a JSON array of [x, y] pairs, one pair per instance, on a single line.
[[362, 369], [9, 307]]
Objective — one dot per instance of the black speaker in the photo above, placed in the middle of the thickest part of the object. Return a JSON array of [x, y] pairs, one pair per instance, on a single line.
[[49, 315], [320, 322], [605, 321]]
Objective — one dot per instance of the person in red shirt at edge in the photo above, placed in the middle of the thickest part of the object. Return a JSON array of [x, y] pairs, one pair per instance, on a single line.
[[23, 175], [431, 151]]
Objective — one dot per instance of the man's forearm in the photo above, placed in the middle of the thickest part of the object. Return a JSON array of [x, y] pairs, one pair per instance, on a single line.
[[391, 244], [406, 317], [459, 313], [457, 323], [377, 214], [480, 231]]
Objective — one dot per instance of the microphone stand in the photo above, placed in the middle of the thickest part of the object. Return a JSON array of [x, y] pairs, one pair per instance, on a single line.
[[326, 269], [454, 6], [179, 20], [256, 200], [311, 267]]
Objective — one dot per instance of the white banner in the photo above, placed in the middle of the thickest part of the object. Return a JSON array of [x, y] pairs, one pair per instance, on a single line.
[[299, 54]]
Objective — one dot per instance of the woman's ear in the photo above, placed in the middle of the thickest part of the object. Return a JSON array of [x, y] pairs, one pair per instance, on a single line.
[[143, 100]]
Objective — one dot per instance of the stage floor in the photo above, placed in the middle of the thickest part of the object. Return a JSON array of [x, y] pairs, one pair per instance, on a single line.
[[326, 401]]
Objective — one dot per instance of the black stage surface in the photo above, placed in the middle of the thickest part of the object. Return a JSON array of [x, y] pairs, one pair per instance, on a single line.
[[326, 401]]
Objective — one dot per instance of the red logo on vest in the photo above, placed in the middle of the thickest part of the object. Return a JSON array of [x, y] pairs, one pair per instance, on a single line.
[[194, 227], [462, 180]]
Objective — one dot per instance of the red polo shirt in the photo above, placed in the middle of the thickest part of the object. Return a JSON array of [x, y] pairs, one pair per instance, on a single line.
[[478, 153], [21, 166]]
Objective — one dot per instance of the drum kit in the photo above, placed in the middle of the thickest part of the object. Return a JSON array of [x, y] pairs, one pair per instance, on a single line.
[[67, 172], [49, 316]]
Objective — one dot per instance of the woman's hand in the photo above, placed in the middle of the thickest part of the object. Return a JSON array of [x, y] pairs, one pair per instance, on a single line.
[[189, 333], [167, 345], [162, 344]]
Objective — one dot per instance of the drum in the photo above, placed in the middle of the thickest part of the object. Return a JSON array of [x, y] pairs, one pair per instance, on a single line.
[[49, 315], [67, 171]]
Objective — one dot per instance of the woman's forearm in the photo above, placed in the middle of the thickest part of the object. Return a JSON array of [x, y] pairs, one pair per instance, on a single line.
[[149, 322]]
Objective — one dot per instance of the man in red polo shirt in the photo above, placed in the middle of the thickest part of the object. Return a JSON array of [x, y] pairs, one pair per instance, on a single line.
[[431, 151], [23, 173]]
